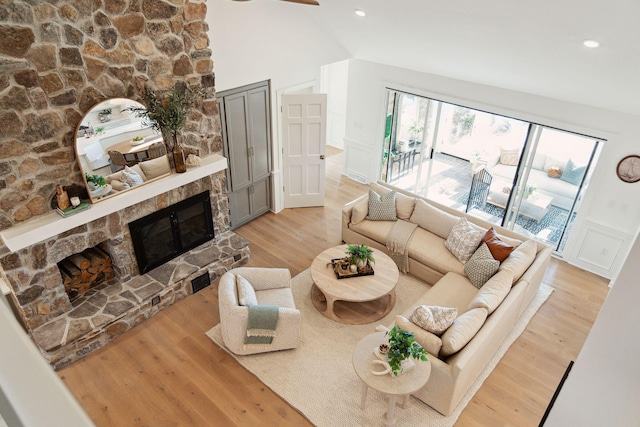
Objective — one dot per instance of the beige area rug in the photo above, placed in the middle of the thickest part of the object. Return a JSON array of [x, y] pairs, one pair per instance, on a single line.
[[318, 378]]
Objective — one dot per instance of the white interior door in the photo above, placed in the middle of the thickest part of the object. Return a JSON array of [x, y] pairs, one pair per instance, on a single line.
[[304, 130]]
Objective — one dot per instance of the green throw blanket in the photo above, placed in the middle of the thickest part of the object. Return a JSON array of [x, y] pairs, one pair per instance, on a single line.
[[261, 325]]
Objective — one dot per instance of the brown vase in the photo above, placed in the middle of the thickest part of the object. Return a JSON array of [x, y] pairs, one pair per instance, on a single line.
[[178, 159]]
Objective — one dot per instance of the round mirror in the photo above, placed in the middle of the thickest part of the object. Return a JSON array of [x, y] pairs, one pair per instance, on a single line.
[[111, 138]]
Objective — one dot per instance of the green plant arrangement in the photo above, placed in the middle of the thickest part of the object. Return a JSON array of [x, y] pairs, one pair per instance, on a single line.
[[529, 191], [97, 180], [359, 254], [168, 115], [402, 345]]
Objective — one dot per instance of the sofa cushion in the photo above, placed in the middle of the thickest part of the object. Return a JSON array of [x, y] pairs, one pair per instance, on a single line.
[[375, 230], [430, 342], [281, 297], [481, 266], [493, 292], [554, 161], [464, 239], [382, 207], [433, 318], [520, 259], [464, 328], [155, 167], [428, 249], [246, 293], [452, 290], [433, 219], [360, 211], [404, 204], [499, 249]]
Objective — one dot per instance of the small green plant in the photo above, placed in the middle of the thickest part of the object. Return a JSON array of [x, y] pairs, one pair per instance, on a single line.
[[529, 191], [137, 138], [402, 345], [359, 254], [100, 129], [96, 179]]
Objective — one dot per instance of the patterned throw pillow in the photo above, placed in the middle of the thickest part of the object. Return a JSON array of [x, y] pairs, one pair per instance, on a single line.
[[433, 318], [464, 239], [131, 177], [481, 266], [509, 157], [382, 208], [572, 173]]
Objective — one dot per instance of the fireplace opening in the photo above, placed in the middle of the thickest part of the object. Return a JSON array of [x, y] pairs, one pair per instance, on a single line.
[[172, 231], [85, 270]]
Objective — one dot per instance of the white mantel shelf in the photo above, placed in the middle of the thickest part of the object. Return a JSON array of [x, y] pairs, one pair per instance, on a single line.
[[44, 227]]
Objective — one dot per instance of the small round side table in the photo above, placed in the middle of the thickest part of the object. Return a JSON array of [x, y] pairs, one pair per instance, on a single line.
[[402, 385]]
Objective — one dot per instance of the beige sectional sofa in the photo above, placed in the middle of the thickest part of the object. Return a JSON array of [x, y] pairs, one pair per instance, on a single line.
[[484, 316]]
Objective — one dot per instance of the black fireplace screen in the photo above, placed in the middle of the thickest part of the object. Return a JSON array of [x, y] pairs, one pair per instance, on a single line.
[[172, 231]]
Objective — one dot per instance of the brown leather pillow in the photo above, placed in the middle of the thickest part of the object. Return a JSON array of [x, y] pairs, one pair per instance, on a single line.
[[554, 172], [499, 249]]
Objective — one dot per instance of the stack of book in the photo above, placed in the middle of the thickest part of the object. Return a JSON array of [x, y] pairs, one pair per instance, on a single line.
[[83, 206]]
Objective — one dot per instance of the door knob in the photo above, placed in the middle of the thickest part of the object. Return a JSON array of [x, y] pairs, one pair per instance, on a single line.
[[321, 156]]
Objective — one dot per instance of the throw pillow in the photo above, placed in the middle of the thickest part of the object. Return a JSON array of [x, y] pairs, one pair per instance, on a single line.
[[509, 157], [427, 340], [493, 292], [462, 331], [404, 203], [360, 211], [464, 239], [434, 319], [131, 177], [481, 266], [246, 293], [382, 208], [520, 259], [573, 174], [499, 249], [554, 172], [118, 185]]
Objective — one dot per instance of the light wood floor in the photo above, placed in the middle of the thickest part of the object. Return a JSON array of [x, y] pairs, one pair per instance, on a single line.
[[166, 372]]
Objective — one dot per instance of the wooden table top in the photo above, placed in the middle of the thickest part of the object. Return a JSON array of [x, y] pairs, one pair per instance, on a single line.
[[405, 383], [354, 289], [125, 147]]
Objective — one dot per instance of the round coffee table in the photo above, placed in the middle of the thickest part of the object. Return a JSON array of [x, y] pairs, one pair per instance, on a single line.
[[354, 300], [402, 385]]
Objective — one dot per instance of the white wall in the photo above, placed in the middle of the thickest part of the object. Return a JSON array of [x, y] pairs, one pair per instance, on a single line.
[[266, 40], [611, 207], [335, 83], [603, 386]]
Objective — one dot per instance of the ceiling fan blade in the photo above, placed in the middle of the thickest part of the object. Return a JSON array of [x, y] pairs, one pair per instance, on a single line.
[[309, 2]]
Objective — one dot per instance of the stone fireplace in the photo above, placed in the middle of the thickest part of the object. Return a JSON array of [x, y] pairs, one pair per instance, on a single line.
[[67, 330], [57, 60]]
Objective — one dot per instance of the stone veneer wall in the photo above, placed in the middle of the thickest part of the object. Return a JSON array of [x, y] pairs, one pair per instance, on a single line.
[[57, 60]]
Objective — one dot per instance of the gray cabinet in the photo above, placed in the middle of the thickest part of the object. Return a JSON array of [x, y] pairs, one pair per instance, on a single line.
[[246, 131]]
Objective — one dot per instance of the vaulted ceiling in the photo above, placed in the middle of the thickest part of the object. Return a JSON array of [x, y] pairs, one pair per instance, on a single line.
[[528, 46]]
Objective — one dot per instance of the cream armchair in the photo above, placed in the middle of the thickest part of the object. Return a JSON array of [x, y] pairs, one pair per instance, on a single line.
[[272, 287]]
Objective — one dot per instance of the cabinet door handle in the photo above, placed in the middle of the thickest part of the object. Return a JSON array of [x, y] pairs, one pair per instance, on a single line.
[[321, 156]]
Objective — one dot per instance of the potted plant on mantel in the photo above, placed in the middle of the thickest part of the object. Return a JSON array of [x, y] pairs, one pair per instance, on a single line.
[[402, 346], [359, 255], [168, 115]]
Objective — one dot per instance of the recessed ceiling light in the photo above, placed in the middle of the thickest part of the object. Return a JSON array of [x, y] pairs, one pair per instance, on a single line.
[[591, 43], [360, 12]]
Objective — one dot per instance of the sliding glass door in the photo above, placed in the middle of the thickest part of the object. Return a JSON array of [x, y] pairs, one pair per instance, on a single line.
[[521, 175]]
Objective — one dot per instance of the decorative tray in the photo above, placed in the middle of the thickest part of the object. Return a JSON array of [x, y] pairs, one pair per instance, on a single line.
[[341, 268]]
